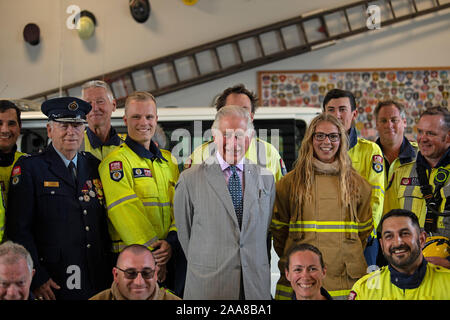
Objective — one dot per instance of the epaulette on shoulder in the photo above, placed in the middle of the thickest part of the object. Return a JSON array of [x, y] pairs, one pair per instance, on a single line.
[[439, 268], [366, 141]]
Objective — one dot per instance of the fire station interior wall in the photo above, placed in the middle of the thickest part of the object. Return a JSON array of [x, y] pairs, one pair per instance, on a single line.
[[62, 57]]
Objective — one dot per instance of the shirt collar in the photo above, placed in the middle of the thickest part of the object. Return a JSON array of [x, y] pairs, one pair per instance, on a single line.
[[406, 281], [352, 138], [224, 165], [407, 151], [95, 142], [151, 154], [65, 160]]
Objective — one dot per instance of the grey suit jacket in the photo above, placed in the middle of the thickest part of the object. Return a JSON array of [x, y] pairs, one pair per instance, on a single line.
[[215, 248]]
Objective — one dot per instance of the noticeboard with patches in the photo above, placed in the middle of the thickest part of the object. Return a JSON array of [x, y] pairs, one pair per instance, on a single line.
[[416, 88]]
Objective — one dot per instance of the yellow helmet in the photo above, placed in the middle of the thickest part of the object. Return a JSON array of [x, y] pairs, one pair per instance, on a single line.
[[436, 247]]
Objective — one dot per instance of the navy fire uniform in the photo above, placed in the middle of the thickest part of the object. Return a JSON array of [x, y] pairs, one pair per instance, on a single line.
[[63, 224]]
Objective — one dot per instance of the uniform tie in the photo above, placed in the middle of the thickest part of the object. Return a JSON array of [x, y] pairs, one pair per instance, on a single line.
[[73, 172], [234, 186]]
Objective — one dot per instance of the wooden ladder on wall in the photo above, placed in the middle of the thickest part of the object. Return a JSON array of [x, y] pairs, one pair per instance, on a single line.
[[253, 48]]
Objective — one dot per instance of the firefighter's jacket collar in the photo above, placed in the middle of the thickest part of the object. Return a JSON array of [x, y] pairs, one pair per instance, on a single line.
[[7, 159], [443, 162], [352, 138], [407, 152], [406, 281], [95, 142], [137, 148]]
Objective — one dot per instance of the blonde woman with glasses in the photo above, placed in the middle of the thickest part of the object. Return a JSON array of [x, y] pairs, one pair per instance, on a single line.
[[323, 201]]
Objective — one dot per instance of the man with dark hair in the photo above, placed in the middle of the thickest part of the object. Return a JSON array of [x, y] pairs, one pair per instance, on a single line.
[[135, 277], [422, 186], [408, 276], [260, 151], [10, 125], [235, 96], [366, 158]]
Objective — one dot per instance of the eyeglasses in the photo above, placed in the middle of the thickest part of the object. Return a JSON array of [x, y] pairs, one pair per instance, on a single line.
[[320, 136], [146, 273]]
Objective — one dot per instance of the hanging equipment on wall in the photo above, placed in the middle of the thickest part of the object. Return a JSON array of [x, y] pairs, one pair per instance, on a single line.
[[31, 34], [87, 24], [189, 2], [140, 10]]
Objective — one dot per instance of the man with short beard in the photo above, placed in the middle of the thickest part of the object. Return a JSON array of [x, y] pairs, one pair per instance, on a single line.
[[408, 276]]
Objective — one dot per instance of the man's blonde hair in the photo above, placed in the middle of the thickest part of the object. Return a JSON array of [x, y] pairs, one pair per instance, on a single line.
[[139, 96]]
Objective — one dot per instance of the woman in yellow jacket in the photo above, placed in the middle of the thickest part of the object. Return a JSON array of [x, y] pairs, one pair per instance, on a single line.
[[323, 201]]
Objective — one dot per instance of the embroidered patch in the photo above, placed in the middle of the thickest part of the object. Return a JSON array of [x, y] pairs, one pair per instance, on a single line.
[[188, 163], [414, 181], [378, 167], [141, 172], [15, 175], [283, 167], [116, 170], [377, 163], [352, 295], [377, 159], [15, 180], [16, 171]]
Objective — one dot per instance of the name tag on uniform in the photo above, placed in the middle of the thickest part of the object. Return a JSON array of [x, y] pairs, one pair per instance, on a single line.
[[54, 184], [142, 172], [414, 181]]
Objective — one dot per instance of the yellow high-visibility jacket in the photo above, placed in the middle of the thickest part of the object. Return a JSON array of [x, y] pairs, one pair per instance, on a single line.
[[5, 174], [139, 186], [404, 192], [259, 151], [368, 160], [407, 154], [2, 220], [378, 285], [97, 148]]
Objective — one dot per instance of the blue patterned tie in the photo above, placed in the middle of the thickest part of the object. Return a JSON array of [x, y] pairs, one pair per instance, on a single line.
[[234, 186]]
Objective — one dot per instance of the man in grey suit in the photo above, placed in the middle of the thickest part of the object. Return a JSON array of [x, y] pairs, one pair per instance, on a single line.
[[223, 208]]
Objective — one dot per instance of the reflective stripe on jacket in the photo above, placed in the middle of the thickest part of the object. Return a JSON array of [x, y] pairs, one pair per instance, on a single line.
[[327, 224], [405, 193]]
